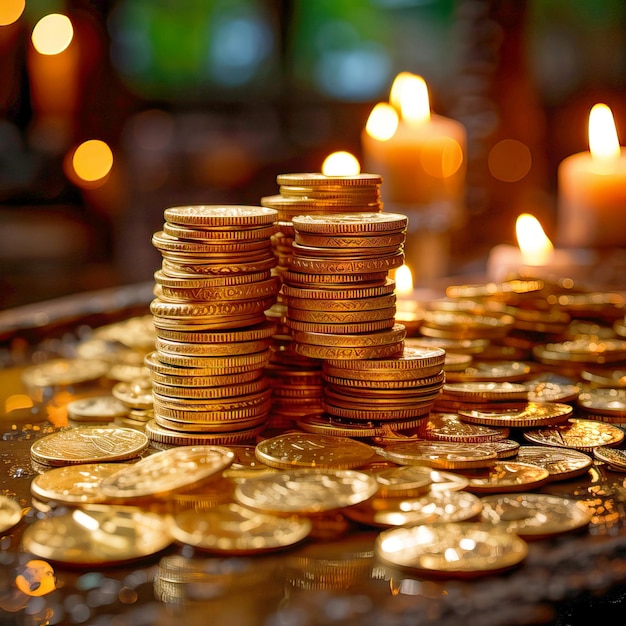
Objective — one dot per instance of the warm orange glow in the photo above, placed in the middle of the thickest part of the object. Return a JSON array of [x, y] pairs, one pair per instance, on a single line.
[[11, 11], [536, 247], [52, 34], [603, 142], [36, 578], [404, 281], [509, 160], [92, 161], [414, 102], [17, 401], [443, 158], [396, 89], [382, 122], [341, 164]]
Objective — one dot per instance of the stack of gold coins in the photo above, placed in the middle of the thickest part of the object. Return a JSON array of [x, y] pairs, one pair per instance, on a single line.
[[397, 391], [340, 300], [212, 336]]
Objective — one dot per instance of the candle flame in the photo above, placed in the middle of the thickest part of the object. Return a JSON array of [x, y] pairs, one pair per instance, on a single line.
[[536, 247], [396, 89], [603, 142], [414, 101], [404, 280], [382, 122], [341, 164], [52, 34]]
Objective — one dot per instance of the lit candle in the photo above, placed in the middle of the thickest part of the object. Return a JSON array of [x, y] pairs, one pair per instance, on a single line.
[[421, 157], [592, 188], [535, 256]]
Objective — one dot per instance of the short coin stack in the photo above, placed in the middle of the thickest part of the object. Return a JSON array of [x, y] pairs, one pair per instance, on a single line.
[[340, 300], [398, 392], [213, 338]]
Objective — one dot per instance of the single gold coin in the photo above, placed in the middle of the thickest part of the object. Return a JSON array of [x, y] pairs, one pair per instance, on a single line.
[[313, 450], [507, 477], [96, 409], [434, 507], [587, 351], [235, 529], [339, 292], [562, 463], [346, 352], [167, 471], [449, 427], [340, 317], [316, 179], [323, 424], [580, 434], [534, 515], [88, 444], [453, 549], [10, 513], [350, 223], [614, 457], [162, 436], [518, 415], [97, 535], [438, 454], [214, 216], [64, 372], [347, 242], [136, 393], [74, 484], [485, 391], [306, 491]]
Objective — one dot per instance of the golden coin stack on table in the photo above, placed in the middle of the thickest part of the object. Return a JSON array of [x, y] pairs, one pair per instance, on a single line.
[[296, 378], [212, 336]]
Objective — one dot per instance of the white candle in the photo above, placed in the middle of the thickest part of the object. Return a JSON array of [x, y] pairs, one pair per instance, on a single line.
[[592, 188]]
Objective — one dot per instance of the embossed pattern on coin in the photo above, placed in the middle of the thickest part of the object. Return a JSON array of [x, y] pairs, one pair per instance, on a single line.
[[562, 463], [580, 434]]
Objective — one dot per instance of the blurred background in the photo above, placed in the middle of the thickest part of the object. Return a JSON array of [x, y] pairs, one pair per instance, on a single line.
[[146, 104]]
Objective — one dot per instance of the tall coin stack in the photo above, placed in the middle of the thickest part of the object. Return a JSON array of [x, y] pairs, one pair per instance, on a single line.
[[296, 378], [212, 336]]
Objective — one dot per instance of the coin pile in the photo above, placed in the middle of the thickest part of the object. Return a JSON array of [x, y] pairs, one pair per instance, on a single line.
[[212, 336], [340, 300]]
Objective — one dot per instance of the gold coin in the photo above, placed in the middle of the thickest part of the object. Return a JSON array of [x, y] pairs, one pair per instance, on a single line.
[[215, 417], [136, 393], [211, 349], [411, 359], [168, 437], [200, 267], [494, 290], [189, 242], [96, 409], [219, 391], [580, 434], [93, 536], [518, 415], [414, 385], [380, 413], [220, 405], [259, 332], [397, 378], [438, 454], [191, 310], [341, 317], [562, 463], [470, 347], [315, 179], [341, 329], [611, 402], [167, 471], [315, 280], [322, 424], [481, 391], [341, 292], [308, 450], [604, 377], [546, 391], [435, 507], [406, 481], [340, 306], [504, 448], [306, 491], [64, 372], [206, 216], [10, 513], [489, 371], [238, 292], [534, 515], [307, 265], [310, 254], [234, 529], [449, 427], [344, 242], [190, 424], [350, 223], [201, 282], [202, 376], [88, 444], [396, 334], [615, 457], [506, 476], [348, 353], [581, 351], [215, 364], [453, 549], [74, 484]]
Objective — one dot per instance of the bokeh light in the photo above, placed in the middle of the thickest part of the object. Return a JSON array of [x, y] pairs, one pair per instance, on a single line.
[[11, 11], [382, 122], [509, 160], [92, 161], [443, 158], [52, 34]]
